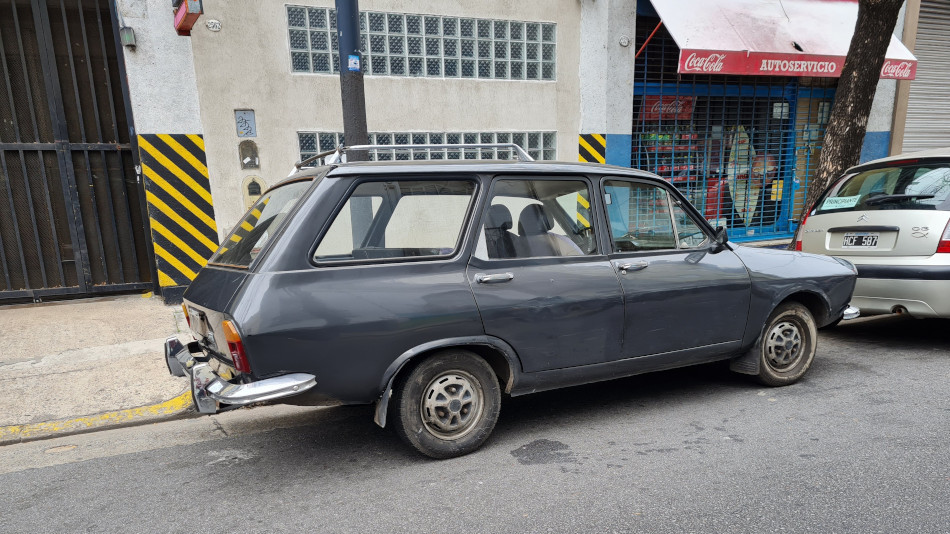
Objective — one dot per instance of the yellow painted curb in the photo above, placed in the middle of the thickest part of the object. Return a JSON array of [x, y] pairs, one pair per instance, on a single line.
[[16, 433]]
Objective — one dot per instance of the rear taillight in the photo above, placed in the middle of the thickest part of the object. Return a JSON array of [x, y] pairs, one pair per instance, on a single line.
[[236, 347], [801, 228], [944, 245], [184, 308]]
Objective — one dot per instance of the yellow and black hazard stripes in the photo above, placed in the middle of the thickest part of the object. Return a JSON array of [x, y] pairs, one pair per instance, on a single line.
[[583, 209], [184, 233], [592, 148], [246, 226]]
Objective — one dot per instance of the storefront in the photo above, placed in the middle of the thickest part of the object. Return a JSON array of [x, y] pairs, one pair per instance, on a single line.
[[716, 114]]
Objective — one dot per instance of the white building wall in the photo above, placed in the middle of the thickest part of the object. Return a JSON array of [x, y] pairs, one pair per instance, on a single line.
[[606, 67], [246, 65], [160, 70]]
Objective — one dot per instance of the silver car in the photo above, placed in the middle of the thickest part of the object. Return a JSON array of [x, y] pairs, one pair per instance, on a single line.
[[891, 219]]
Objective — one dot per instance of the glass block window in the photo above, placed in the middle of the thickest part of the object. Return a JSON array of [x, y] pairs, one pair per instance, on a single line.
[[401, 44], [539, 145]]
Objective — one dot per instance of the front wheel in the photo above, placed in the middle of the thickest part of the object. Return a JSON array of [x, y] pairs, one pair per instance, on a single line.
[[447, 405], [788, 345]]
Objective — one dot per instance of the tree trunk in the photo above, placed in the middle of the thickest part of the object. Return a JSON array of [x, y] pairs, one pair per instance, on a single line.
[[856, 87]]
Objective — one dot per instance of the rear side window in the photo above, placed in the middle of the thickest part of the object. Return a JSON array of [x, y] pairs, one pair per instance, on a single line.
[[250, 235], [398, 219], [910, 187]]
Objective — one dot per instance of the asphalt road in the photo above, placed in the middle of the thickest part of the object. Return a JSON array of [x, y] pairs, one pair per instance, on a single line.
[[860, 445]]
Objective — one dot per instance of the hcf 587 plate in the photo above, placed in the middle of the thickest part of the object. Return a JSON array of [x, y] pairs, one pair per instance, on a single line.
[[860, 240]]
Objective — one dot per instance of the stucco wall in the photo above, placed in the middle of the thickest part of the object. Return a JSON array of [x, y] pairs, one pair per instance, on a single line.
[[606, 66], [246, 65], [161, 70]]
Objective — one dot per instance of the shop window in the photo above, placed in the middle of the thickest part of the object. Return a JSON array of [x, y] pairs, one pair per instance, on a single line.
[[741, 148], [401, 44]]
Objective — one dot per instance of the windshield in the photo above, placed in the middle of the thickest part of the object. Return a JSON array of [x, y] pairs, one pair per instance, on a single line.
[[910, 187], [250, 235]]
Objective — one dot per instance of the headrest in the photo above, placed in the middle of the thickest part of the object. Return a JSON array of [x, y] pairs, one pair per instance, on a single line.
[[498, 217], [534, 221]]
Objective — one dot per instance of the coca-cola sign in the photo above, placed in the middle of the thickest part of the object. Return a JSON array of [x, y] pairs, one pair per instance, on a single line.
[[899, 70], [703, 63], [743, 62], [666, 108]]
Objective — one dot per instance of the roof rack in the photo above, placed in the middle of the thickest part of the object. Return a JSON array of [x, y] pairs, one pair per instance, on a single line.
[[338, 154]]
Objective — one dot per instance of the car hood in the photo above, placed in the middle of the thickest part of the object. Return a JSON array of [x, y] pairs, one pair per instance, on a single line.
[[790, 264]]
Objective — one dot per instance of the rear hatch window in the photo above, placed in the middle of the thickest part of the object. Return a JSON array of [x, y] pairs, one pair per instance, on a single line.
[[250, 235], [907, 187]]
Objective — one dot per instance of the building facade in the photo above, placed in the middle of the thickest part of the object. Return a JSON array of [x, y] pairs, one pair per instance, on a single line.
[[213, 117]]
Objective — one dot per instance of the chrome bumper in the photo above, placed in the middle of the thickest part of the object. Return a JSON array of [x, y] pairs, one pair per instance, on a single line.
[[851, 312], [209, 390]]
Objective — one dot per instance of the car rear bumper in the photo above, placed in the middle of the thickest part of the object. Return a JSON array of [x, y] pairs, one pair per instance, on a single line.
[[918, 297], [210, 391]]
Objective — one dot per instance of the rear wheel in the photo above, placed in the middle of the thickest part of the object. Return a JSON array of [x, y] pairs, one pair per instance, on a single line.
[[447, 405], [788, 345]]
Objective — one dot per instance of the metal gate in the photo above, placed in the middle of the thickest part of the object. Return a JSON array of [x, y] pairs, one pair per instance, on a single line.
[[742, 148], [72, 217]]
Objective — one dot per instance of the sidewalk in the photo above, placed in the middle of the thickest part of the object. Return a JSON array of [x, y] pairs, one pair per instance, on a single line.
[[78, 365]]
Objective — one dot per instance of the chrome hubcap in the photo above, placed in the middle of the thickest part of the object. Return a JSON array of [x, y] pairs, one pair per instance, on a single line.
[[451, 405], [783, 345]]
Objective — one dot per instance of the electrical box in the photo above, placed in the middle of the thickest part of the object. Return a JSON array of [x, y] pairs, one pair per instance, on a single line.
[[186, 15]]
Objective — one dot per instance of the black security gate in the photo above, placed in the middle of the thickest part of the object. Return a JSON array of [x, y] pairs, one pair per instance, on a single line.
[[72, 217]]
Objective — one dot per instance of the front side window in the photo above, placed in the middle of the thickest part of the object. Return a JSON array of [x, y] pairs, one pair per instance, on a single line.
[[910, 187], [537, 218], [688, 232], [398, 219], [640, 216], [244, 243]]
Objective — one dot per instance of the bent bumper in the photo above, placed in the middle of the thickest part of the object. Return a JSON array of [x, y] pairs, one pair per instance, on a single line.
[[209, 391]]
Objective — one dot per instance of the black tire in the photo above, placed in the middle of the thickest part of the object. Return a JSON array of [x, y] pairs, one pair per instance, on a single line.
[[447, 405], [788, 344]]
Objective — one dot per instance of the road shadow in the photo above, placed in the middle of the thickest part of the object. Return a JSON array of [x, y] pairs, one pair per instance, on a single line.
[[344, 441], [894, 331]]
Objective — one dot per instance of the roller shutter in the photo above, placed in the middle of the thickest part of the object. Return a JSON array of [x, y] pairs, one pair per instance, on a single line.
[[928, 107]]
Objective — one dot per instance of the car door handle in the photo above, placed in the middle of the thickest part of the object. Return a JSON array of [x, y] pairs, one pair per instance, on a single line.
[[483, 278], [634, 266]]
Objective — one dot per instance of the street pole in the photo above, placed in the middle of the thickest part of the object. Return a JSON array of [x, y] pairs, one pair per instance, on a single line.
[[354, 106], [351, 77]]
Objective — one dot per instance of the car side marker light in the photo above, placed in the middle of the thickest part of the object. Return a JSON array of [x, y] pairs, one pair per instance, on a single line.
[[236, 347]]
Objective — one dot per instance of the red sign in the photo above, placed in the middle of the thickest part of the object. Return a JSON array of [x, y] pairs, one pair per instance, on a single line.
[[666, 108], [775, 64]]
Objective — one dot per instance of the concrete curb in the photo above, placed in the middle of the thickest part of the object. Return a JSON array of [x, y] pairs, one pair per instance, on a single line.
[[179, 407]]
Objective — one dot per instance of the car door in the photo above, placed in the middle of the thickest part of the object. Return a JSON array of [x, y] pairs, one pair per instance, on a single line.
[[539, 276], [679, 291]]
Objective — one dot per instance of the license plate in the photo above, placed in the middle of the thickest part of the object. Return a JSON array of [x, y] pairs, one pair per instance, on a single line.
[[197, 322], [860, 240]]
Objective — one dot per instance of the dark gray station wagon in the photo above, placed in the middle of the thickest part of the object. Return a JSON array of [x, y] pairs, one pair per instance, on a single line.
[[431, 288]]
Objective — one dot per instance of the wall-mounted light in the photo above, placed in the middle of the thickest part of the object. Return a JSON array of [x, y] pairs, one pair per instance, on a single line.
[[127, 37]]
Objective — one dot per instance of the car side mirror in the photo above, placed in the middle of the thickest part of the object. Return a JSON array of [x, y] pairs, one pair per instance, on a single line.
[[720, 238]]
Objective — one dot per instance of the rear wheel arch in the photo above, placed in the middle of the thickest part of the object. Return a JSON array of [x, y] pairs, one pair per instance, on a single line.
[[499, 355]]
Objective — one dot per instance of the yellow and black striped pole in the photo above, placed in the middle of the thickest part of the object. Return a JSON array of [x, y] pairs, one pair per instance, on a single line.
[[180, 210], [591, 148]]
